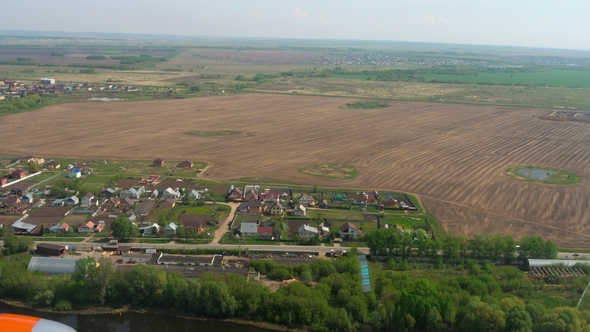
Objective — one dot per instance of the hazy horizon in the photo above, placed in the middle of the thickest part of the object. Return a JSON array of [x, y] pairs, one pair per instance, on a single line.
[[538, 24]]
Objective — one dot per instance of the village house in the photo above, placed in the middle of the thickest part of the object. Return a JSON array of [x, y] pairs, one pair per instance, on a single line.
[[15, 208], [72, 201], [171, 193], [307, 232], [339, 198], [194, 194], [299, 210], [19, 190], [249, 229], [125, 204], [98, 226], [52, 165], [149, 229], [132, 193], [349, 230], [75, 173], [276, 208], [18, 174], [3, 181], [87, 199], [265, 231], [159, 162], [86, 227], [108, 193], [251, 195], [305, 199], [185, 164], [323, 204], [111, 203], [270, 197], [170, 230], [389, 201], [155, 194], [59, 228], [28, 199], [235, 195], [168, 203]]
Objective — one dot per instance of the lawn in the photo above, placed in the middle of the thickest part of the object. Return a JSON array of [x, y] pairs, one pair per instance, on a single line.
[[405, 221], [58, 239], [134, 168], [365, 226], [335, 214]]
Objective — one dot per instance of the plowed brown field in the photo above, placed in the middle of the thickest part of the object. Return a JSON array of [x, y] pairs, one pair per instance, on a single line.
[[453, 156]]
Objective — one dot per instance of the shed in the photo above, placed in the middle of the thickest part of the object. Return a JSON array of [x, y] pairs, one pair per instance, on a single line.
[[50, 249], [50, 265]]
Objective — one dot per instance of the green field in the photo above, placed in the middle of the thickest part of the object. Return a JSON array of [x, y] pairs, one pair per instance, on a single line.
[[355, 77], [543, 174], [564, 78]]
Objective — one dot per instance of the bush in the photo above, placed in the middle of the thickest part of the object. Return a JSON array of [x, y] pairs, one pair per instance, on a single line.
[[279, 274], [63, 305]]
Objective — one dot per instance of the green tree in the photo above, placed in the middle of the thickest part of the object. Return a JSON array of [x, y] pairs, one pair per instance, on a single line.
[[122, 228], [518, 320]]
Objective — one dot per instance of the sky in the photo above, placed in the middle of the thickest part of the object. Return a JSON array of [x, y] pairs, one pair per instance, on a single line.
[[532, 23]]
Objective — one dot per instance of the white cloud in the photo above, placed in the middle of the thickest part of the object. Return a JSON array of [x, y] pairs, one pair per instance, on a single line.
[[429, 19], [300, 14]]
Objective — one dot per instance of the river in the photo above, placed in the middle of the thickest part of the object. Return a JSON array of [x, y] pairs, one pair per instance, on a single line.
[[132, 322]]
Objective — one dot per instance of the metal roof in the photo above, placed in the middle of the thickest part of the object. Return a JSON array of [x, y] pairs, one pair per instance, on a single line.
[[51, 265], [249, 227], [546, 262]]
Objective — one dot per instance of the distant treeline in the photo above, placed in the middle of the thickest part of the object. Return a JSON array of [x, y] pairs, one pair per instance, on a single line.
[[14, 105]]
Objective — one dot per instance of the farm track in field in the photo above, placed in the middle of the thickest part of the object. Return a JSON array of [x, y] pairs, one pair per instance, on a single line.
[[454, 156]]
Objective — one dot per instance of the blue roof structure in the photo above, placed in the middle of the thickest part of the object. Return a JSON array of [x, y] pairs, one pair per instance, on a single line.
[[366, 280]]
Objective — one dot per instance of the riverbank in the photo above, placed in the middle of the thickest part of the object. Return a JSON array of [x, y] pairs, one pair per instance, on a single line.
[[120, 311]]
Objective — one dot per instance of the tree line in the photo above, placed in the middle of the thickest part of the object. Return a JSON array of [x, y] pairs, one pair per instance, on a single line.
[[495, 247], [327, 297]]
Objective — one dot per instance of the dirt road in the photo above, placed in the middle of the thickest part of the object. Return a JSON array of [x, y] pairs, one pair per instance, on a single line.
[[224, 226]]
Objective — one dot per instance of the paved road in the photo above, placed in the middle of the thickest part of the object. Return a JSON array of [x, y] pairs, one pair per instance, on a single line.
[[280, 248]]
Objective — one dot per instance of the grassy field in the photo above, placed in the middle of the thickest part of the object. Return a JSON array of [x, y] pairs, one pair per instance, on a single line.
[[335, 171], [562, 78], [543, 174]]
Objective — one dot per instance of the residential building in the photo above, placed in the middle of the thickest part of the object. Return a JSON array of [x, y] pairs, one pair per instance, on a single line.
[[18, 174], [59, 228], [249, 229], [109, 192], [15, 208], [235, 195], [185, 164], [52, 165], [349, 229], [307, 232], [159, 162], [171, 193], [3, 181], [194, 194], [111, 203], [266, 231], [276, 208], [75, 173], [168, 203], [125, 204], [72, 201], [20, 227], [19, 190], [88, 199], [170, 230], [28, 199], [299, 210], [86, 227], [133, 193], [305, 199]]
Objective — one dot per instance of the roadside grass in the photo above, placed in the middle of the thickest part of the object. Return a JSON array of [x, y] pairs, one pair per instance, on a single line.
[[228, 238], [364, 105], [543, 174], [364, 226], [334, 171], [58, 239]]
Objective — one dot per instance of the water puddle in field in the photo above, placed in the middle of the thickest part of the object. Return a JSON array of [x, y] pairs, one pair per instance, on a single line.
[[105, 99], [539, 174]]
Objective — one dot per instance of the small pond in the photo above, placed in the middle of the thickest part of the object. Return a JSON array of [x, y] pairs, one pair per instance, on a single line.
[[539, 174]]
